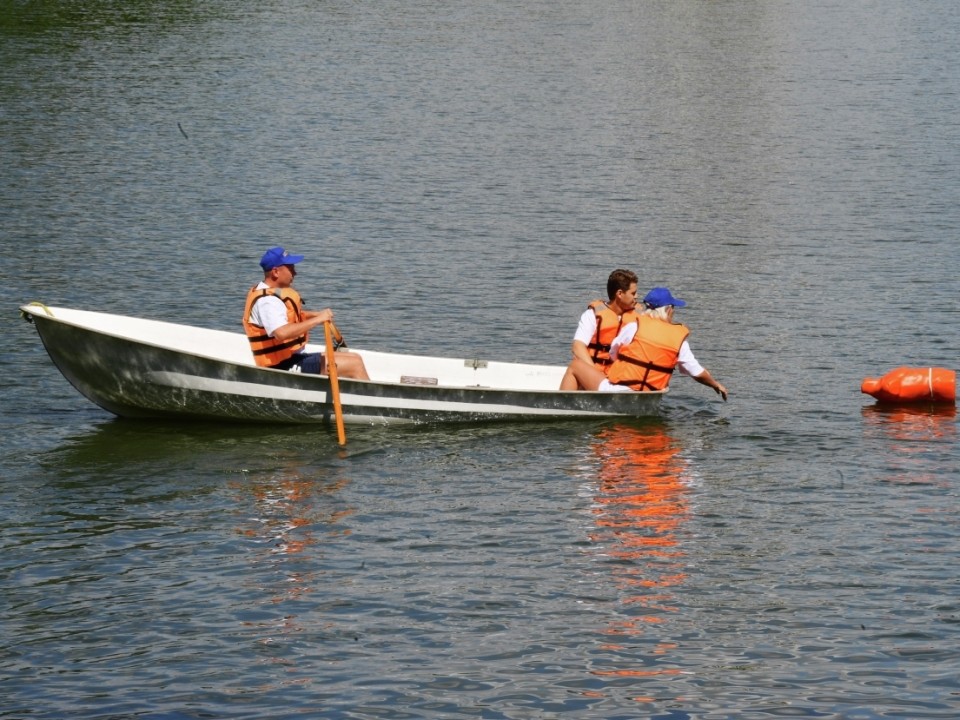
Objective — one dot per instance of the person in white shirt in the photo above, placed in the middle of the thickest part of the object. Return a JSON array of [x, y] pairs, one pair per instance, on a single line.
[[277, 325], [601, 322]]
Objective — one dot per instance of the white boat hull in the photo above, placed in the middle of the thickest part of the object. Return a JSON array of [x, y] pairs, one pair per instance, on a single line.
[[150, 369]]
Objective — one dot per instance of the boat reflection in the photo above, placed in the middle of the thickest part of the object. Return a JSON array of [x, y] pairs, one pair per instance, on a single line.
[[640, 506], [909, 438]]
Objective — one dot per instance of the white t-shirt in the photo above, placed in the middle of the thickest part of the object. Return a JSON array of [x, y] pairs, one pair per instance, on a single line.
[[587, 327], [269, 312]]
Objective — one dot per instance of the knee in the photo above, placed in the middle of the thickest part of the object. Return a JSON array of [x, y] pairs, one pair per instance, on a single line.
[[351, 366]]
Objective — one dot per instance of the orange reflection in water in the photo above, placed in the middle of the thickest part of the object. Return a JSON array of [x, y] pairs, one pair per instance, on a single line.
[[290, 508], [286, 505], [640, 504], [291, 512], [910, 437]]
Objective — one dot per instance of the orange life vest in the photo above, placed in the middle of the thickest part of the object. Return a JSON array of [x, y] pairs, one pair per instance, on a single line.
[[609, 325], [268, 351], [649, 360]]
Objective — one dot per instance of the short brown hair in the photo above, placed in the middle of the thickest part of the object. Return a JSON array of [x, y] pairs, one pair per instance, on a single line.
[[619, 280]]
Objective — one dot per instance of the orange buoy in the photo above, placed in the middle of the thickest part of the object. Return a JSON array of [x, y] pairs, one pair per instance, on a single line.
[[913, 385]]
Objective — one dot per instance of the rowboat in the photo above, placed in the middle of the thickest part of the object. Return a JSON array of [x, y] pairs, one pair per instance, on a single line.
[[140, 368]]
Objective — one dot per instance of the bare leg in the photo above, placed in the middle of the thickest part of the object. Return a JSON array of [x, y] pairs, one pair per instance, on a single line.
[[569, 382], [588, 376], [350, 365]]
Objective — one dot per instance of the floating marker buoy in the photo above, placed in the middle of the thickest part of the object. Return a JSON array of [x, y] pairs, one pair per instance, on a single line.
[[913, 385]]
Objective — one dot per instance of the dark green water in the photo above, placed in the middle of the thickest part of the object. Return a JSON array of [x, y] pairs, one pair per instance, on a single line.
[[462, 178]]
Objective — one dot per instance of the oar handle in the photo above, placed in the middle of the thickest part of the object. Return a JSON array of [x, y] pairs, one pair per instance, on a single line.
[[338, 341]]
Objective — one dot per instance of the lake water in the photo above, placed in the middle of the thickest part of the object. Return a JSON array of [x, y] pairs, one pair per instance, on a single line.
[[462, 177]]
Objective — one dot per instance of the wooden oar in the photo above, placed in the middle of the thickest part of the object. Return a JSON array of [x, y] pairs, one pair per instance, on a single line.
[[334, 382]]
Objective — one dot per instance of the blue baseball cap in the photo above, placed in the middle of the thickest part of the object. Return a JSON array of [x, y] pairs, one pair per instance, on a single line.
[[277, 256], [660, 297]]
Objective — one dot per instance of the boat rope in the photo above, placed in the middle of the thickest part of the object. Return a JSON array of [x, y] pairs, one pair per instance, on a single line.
[[28, 317]]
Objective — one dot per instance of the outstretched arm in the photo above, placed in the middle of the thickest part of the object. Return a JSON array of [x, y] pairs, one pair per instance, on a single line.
[[705, 378]]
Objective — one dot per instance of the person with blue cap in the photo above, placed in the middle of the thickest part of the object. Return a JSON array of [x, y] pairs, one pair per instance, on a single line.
[[278, 326], [647, 351]]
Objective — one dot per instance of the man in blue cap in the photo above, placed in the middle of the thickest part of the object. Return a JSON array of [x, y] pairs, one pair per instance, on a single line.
[[647, 351], [278, 327]]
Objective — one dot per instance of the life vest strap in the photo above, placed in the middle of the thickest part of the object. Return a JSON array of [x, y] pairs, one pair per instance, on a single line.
[[641, 383], [596, 346], [648, 365], [295, 342]]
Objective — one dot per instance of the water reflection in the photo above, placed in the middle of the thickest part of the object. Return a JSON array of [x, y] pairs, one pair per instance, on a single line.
[[910, 439], [640, 507], [42, 17], [119, 443], [293, 511]]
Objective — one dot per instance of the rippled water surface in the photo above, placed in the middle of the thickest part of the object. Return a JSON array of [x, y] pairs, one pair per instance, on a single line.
[[462, 177]]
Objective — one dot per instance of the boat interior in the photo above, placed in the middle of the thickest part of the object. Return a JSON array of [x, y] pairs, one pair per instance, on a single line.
[[382, 367]]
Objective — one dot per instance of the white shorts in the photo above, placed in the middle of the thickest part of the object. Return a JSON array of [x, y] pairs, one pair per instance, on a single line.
[[607, 386]]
